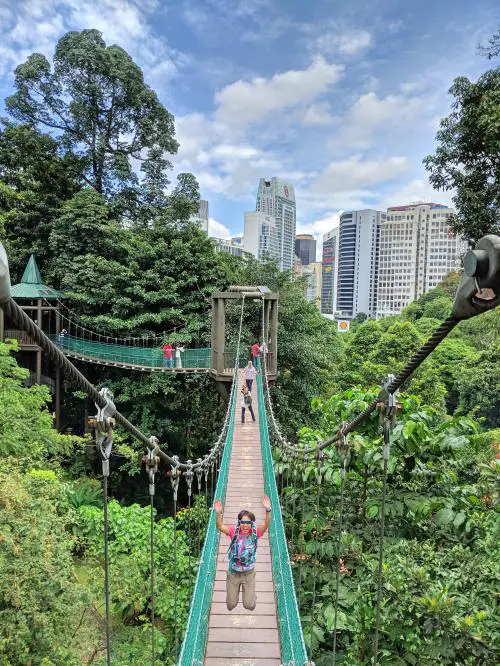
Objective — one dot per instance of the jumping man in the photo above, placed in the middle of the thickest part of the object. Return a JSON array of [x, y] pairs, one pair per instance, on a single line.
[[242, 553]]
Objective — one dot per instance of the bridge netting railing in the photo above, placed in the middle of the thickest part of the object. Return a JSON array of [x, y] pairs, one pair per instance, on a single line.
[[144, 357], [293, 649]]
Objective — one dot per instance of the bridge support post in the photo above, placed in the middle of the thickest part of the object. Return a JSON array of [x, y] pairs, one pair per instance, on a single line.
[[273, 337]]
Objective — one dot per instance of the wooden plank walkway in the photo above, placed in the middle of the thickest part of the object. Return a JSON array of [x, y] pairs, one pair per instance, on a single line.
[[241, 637]]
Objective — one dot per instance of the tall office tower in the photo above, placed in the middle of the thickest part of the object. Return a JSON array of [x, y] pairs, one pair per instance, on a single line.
[[305, 249], [417, 249], [329, 271], [312, 274], [260, 236], [201, 217], [359, 233], [276, 197]]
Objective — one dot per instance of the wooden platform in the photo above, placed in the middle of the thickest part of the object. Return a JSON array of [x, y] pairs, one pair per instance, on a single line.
[[240, 637]]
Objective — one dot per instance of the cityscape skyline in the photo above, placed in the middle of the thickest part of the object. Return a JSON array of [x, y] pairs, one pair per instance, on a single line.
[[343, 101]]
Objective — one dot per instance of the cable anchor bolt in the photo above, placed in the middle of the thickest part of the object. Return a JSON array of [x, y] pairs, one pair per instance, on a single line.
[[175, 474], [189, 474], [152, 461]]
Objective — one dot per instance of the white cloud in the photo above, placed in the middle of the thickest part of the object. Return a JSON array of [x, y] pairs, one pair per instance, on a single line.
[[418, 189], [243, 103], [318, 114], [35, 26], [345, 42], [356, 173], [217, 229], [371, 113]]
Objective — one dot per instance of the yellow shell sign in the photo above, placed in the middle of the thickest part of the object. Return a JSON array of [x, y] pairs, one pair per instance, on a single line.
[[343, 326]]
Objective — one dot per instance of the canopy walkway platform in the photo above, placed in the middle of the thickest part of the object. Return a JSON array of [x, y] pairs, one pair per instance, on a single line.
[[240, 636]]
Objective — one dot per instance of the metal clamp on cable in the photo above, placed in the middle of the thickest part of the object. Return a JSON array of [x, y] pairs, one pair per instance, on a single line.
[[388, 407], [175, 474], [479, 289], [343, 448], [152, 462], [104, 424], [189, 474]]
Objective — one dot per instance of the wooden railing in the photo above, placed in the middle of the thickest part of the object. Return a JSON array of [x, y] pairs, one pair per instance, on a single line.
[[21, 336]]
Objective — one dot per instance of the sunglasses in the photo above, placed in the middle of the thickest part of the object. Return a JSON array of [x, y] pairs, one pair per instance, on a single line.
[[245, 522]]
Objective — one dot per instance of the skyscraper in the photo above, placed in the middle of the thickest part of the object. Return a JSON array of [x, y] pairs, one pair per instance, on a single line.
[[329, 271], [276, 197], [305, 249], [417, 249], [359, 233], [260, 236], [201, 217]]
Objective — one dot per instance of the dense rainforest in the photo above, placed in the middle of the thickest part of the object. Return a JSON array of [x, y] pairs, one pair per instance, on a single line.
[[85, 186]]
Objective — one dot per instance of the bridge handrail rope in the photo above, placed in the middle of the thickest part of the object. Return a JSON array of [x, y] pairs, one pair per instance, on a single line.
[[72, 316], [293, 650], [194, 640]]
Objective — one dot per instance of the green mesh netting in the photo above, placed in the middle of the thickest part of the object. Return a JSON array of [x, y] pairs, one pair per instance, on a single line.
[[193, 646], [141, 356], [293, 649]]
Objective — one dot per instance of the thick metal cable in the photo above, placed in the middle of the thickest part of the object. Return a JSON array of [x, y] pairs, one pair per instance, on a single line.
[[106, 570], [339, 543], [175, 575], [417, 359], [17, 315], [152, 581]]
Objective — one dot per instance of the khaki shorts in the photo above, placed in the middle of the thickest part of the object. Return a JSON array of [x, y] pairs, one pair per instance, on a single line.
[[247, 583]]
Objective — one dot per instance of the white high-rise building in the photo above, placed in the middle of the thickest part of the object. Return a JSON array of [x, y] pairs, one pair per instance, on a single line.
[[260, 236], [201, 217], [359, 232], [329, 271], [417, 249], [276, 198]]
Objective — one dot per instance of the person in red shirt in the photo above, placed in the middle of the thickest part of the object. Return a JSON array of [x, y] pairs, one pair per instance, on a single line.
[[167, 355], [255, 353]]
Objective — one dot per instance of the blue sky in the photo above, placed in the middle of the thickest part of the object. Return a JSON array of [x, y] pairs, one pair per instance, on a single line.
[[341, 98]]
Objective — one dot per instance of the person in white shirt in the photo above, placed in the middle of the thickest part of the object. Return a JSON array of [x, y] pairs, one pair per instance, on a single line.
[[250, 373], [178, 360]]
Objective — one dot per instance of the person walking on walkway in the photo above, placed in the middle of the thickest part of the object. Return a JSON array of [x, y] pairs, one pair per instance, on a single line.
[[255, 353], [167, 355], [242, 553], [246, 402], [250, 373]]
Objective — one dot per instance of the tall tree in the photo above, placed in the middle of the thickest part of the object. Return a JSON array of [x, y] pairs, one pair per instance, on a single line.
[[95, 100], [467, 158]]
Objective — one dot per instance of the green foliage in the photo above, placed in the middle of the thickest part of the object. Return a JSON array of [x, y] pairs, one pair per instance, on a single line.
[[45, 614], [25, 423], [441, 539], [466, 159]]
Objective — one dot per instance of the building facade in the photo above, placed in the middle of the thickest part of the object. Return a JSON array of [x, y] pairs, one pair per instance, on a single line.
[[232, 246], [201, 217], [357, 274], [260, 236], [276, 197], [305, 249], [417, 249], [329, 272], [312, 275]]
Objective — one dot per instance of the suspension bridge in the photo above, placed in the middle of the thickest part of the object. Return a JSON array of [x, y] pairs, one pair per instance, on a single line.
[[240, 463]]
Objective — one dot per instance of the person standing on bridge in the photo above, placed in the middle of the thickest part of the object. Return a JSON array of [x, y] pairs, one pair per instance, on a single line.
[[167, 355], [255, 353], [246, 403], [178, 351], [242, 553], [250, 373]]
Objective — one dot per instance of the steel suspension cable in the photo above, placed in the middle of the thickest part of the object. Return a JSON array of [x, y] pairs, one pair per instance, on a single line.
[[315, 562], [106, 570], [152, 581], [339, 544], [381, 540]]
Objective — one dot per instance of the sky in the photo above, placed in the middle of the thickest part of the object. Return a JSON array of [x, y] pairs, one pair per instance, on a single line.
[[343, 99]]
